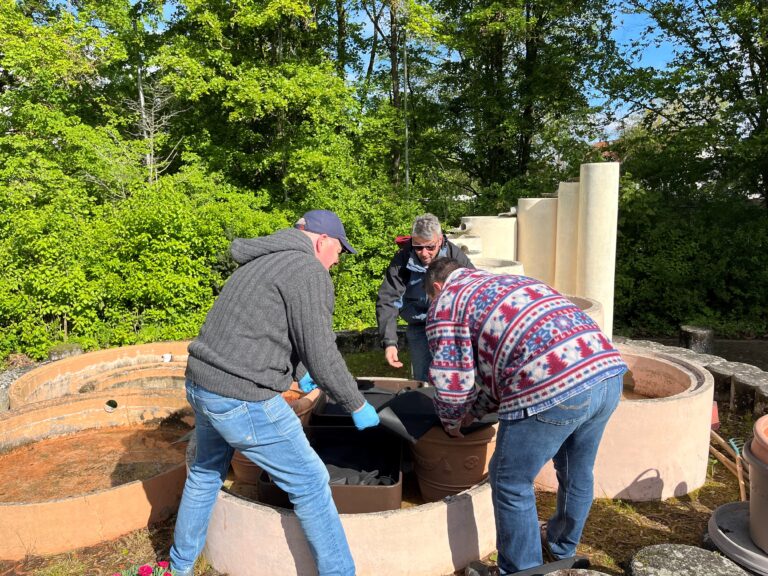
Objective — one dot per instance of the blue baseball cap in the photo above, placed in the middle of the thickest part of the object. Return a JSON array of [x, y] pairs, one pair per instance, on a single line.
[[325, 222]]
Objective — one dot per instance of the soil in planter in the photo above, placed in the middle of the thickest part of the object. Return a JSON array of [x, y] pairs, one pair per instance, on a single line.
[[89, 461]]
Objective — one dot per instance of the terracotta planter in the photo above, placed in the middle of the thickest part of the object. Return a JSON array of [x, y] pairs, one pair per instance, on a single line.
[[759, 444], [758, 498], [445, 466], [246, 471]]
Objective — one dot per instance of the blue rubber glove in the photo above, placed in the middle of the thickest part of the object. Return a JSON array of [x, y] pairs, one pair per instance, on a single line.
[[365, 417], [306, 384]]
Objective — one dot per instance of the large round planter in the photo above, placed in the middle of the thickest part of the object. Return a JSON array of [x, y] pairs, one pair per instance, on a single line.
[[460, 529], [445, 466], [248, 472], [759, 444], [59, 525], [758, 499], [656, 444], [158, 365]]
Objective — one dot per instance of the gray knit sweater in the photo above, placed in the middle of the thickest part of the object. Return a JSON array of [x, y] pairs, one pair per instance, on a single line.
[[273, 315]]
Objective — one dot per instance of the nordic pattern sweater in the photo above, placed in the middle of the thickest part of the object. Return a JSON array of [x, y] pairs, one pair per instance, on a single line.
[[512, 344], [273, 315]]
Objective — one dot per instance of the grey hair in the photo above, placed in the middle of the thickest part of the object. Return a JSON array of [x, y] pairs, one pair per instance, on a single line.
[[426, 226]]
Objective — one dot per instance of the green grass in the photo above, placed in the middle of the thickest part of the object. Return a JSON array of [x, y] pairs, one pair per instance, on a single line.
[[373, 364]]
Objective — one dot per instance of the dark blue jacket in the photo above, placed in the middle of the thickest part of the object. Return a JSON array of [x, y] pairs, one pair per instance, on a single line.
[[402, 291]]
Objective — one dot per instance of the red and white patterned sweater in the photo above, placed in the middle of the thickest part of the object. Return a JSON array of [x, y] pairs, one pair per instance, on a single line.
[[512, 344]]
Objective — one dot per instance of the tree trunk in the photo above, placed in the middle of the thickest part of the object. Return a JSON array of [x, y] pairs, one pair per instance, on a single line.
[[374, 45], [527, 119], [341, 37], [394, 60]]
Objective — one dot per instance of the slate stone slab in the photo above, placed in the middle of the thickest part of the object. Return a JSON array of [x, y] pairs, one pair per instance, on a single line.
[[681, 560]]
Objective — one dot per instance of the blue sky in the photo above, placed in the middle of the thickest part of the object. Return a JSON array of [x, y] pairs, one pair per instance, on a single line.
[[629, 27]]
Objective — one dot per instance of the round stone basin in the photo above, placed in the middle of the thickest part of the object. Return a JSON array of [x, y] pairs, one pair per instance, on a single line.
[[417, 539], [158, 365], [425, 540], [57, 520], [656, 444]]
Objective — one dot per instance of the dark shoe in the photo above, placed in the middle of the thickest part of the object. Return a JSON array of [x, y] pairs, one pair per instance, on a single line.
[[545, 551], [478, 568]]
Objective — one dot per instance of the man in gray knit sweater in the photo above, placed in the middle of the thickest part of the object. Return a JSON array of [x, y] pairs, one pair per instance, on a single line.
[[271, 324]]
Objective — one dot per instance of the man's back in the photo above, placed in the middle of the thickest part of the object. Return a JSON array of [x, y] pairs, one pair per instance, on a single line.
[[531, 344]]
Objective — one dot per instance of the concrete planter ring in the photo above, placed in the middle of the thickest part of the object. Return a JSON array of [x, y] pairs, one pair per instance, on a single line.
[[758, 499], [60, 524], [656, 444], [146, 366]]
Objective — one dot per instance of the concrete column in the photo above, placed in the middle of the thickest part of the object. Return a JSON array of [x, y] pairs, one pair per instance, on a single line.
[[497, 233], [598, 219], [537, 226], [566, 251], [472, 246]]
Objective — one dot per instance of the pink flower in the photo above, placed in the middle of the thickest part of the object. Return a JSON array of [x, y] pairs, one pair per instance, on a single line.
[[167, 574], [163, 564], [145, 570]]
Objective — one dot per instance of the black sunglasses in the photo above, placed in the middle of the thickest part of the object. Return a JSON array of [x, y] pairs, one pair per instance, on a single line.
[[429, 247]]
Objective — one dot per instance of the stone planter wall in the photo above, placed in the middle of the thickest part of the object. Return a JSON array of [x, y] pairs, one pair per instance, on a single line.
[[742, 388]]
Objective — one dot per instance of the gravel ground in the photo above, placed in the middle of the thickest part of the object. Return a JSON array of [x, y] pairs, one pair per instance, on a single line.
[[6, 378]]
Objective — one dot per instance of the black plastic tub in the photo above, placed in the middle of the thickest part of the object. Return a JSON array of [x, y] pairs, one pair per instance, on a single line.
[[373, 454]]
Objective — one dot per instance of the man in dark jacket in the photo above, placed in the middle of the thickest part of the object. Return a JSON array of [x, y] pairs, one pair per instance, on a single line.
[[402, 292], [268, 327]]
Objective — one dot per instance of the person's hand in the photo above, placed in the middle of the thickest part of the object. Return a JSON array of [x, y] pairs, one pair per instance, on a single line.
[[454, 432], [365, 417], [390, 353], [306, 384], [468, 419]]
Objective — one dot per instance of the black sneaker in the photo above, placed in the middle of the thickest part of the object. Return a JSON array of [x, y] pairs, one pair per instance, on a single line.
[[478, 568]]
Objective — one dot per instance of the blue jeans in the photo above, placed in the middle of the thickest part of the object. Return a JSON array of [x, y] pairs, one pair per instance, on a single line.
[[569, 434], [418, 348], [270, 434]]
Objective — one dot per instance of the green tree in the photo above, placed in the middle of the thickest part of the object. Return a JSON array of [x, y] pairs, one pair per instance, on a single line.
[[711, 100], [515, 87]]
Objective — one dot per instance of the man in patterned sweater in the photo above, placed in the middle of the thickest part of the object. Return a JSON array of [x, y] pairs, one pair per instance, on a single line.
[[514, 345]]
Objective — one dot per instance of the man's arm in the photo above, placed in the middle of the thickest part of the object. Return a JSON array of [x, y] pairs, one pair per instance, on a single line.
[[452, 371], [484, 404], [309, 303], [389, 300]]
